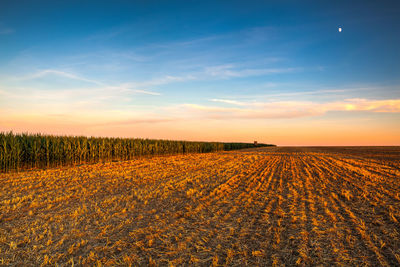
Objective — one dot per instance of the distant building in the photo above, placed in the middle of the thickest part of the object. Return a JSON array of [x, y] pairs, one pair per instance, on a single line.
[[255, 143]]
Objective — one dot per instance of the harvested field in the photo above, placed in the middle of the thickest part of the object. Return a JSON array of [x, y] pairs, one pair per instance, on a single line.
[[267, 206]]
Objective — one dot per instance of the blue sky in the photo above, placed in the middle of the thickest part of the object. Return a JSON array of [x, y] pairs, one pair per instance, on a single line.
[[172, 69]]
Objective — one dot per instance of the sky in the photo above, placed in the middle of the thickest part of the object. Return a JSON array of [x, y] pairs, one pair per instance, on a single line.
[[273, 71]]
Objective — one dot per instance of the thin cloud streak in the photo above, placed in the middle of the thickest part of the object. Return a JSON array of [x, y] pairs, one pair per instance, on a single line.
[[229, 71], [145, 92], [159, 81], [64, 74], [126, 87], [249, 35], [227, 101]]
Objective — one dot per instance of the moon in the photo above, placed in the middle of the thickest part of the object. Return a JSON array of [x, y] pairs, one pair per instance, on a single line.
[[340, 29]]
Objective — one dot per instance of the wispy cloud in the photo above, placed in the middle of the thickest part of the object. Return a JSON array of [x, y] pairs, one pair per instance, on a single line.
[[289, 109], [109, 33], [102, 86], [282, 91], [228, 101], [166, 79], [70, 99], [359, 104], [148, 86], [210, 73], [229, 71], [190, 42], [146, 92], [64, 74], [248, 35]]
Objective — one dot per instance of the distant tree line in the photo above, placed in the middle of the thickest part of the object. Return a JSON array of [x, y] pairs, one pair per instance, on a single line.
[[21, 151]]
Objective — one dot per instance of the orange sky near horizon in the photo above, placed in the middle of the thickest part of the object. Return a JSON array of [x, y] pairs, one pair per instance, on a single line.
[[288, 132]]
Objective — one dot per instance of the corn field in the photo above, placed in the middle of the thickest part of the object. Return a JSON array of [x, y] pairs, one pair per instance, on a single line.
[[274, 206], [22, 151]]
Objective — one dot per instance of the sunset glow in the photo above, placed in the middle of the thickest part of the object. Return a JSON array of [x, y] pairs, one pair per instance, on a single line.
[[202, 71]]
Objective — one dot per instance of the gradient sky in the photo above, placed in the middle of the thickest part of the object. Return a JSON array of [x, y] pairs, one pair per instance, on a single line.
[[274, 71]]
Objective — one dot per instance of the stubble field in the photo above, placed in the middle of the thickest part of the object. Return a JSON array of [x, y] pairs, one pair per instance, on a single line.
[[268, 206]]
